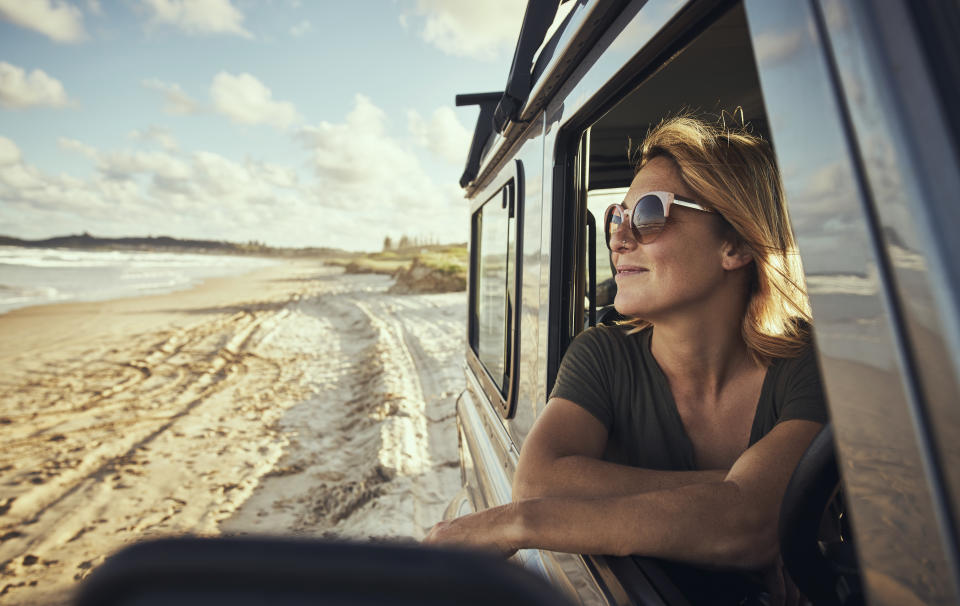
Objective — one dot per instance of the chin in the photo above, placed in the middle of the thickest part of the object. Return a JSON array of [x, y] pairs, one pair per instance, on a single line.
[[629, 306]]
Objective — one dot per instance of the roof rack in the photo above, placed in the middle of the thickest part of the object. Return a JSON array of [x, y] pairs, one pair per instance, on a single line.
[[536, 21], [497, 110], [481, 132]]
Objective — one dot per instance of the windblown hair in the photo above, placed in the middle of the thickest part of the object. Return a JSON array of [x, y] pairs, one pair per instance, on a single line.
[[733, 172]]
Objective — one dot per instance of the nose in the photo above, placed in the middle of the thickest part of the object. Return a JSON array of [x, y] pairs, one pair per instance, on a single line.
[[622, 239]]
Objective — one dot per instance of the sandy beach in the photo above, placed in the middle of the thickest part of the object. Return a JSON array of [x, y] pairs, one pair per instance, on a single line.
[[293, 400]]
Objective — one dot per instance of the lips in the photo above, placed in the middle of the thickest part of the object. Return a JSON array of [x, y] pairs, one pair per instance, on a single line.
[[630, 270]]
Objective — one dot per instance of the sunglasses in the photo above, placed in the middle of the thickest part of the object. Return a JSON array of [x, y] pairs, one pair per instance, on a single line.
[[648, 216]]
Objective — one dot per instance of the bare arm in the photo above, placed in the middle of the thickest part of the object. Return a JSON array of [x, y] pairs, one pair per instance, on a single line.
[[561, 456], [732, 523]]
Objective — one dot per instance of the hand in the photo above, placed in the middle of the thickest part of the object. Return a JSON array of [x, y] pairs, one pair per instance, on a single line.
[[488, 530]]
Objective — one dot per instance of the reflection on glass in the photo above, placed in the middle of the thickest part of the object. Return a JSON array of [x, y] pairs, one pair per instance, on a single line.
[[492, 289], [597, 202]]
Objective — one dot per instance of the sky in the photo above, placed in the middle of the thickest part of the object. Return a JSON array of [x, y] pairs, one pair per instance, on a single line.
[[288, 122]]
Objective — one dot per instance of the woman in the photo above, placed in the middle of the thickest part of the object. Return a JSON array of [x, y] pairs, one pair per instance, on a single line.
[[674, 435]]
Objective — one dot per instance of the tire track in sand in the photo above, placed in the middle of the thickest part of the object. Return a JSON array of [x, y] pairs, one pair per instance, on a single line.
[[364, 459], [111, 463]]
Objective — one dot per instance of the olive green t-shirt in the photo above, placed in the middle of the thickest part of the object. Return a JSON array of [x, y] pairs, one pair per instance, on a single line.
[[614, 377]]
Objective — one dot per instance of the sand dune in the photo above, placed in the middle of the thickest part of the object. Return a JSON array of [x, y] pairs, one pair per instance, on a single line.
[[294, 400]]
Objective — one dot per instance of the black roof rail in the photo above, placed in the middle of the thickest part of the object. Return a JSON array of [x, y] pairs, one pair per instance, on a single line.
[[537, 19], [498, 109], [482, 131]]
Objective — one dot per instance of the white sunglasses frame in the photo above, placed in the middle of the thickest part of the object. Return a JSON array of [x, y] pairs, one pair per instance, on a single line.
[[667, 199]]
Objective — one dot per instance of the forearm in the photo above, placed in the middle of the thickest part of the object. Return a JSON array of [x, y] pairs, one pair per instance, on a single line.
[[731, 523], [590, 477], [703, 524]]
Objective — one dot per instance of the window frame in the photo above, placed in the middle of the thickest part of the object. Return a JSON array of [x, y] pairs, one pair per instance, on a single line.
[[509, 180]]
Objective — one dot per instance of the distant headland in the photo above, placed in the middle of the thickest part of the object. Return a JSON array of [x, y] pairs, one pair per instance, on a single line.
[[418, 266], [85, 241]]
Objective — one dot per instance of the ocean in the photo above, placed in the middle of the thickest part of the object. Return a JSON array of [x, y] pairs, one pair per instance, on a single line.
[[38, 276]]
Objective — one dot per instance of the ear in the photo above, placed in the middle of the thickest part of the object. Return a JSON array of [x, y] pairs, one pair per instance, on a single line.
[[735, 255]]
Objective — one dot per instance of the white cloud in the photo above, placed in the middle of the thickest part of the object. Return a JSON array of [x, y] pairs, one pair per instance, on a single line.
[[245, 99], [77, 146], [20, 90], [443, 134], [94, 7], [480, 30], [22, 178], [300, 28], [9, 152], [358, 165], [176, 101], [21, 182], [125, 165], [199, 16], [358, 154], [274, 174], [216, 175], [202, 195], [55, 19], [155, 134]]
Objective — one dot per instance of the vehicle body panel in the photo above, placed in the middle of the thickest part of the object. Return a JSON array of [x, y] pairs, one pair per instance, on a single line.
[[866, 361], [910, 170]]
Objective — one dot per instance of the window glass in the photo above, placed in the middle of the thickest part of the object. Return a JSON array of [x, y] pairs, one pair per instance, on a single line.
[[490, 345], [597, 202]]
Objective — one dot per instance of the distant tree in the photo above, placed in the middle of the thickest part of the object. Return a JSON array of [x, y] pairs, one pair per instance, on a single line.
[[387, 243], [404, 242]]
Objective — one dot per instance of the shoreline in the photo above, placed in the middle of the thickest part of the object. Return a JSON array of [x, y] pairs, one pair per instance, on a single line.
[[53, 321], [100, 276]]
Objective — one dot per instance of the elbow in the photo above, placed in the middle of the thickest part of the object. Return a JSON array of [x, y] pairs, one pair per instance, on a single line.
[[526, 488], [533, 478]]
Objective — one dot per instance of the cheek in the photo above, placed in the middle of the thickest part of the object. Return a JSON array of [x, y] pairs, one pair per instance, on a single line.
[[685, 270], [677, 260]]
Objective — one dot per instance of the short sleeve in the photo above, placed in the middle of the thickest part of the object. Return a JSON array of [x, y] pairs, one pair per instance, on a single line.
[[804, 397], [584, 375]]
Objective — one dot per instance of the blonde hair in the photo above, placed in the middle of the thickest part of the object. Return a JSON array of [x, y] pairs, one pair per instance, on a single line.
[[733, 172]]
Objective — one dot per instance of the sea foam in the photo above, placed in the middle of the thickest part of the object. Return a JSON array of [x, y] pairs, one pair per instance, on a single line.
[[37, 276]]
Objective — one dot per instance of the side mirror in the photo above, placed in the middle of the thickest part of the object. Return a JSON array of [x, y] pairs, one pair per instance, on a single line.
[[282, 572]]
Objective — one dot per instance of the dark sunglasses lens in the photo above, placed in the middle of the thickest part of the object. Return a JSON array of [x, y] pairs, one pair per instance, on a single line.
[[648, 218], [611, 222]]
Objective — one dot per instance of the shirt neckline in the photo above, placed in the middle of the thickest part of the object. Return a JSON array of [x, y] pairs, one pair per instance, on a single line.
[[688, 452]]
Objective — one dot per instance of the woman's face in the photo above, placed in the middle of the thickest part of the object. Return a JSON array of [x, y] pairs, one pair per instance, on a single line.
[[682, 269]]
